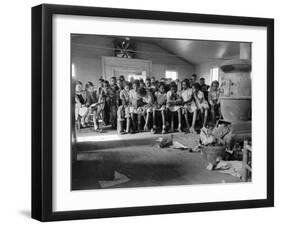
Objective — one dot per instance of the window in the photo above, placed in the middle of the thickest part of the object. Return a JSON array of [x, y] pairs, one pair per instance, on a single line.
[[173, 75], [73, 70], [214, 74], [136, 76]]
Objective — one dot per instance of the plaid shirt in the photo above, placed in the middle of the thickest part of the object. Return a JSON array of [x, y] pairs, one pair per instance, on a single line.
[[213, 97]]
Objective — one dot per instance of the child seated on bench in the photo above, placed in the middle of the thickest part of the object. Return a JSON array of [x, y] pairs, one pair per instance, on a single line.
[[124, 110], [174, 104], [189, 105], [160, 105], [146, 108], [80, 104], [201, 102], [214, 102], [93, 104], [135, 103], [114, 102], [105, 97]]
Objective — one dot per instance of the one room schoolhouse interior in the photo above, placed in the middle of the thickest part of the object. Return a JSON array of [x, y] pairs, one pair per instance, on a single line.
[[159, 112]]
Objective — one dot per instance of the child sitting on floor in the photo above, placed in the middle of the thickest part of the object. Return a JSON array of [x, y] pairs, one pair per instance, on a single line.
[[206, 135]]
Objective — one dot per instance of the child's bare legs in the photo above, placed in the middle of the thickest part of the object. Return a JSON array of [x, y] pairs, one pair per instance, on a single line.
[[179, 119], [213, 114], [186, 120], [146, 121], [96, 125], [87, 116], [201, 114], [192, 128], [134, 126], [120, 126], [154, 121], [83, 124], [119, 120], [99, 114], [128, 125], [163, 122], [113, 115], [172, 121], [83, 118], [205, 117], [139, 122]]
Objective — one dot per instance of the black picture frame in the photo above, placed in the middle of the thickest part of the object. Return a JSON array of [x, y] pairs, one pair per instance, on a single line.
[[42, 107]]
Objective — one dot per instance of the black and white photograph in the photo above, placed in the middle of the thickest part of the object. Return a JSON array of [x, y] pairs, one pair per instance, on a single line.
[[142, 112], [159, 112], [139, 113]]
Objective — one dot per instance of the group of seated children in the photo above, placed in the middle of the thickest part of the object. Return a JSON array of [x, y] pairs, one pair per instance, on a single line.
[[133, 106]]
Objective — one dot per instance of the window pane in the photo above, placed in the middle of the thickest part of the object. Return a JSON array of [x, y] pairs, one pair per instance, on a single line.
[[136, 76], [73, 70], [214, 74], [171, 75]]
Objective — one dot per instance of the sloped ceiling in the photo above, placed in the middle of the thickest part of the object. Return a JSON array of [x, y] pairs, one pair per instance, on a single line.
[[192, 51], [198, 52]]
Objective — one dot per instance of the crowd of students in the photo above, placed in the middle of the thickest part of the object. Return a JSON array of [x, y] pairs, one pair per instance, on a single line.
[[141, 105]]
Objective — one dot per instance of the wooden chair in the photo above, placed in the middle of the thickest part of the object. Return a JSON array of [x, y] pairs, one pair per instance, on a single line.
[[246, 162]]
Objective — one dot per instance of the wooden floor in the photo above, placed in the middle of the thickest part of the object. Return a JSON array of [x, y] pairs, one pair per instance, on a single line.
[[136, 157]]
